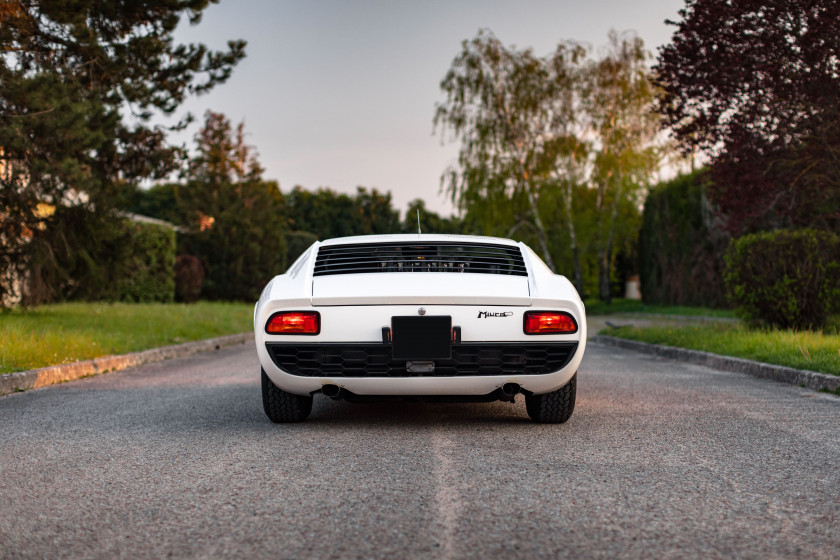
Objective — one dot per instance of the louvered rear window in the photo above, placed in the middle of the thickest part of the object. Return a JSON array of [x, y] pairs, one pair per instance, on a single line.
[[478, 258]]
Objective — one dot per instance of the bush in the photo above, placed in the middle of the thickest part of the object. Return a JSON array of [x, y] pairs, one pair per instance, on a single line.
[[681, 246], [788, 279], [189, 276], [242, 246], [143, 271], [94, 257]]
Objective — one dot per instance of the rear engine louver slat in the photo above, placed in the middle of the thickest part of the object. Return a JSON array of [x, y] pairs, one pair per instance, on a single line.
[[422, 257]]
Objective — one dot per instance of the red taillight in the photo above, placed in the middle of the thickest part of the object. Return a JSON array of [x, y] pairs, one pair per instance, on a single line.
[[549, 322], [294, 322]]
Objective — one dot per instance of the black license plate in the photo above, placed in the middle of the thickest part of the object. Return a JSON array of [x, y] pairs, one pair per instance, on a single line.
[[422, 338]]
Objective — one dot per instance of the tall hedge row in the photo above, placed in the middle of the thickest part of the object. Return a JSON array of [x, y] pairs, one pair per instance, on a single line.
[[110, 259], [681, 246], [145, 271]]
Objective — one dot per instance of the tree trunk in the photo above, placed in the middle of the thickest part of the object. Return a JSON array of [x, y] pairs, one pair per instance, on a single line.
[[604, 268], [541, 234], [603, 275], [578, 276]]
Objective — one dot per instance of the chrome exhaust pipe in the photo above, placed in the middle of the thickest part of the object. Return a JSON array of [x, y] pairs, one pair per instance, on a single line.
[[331, 391]]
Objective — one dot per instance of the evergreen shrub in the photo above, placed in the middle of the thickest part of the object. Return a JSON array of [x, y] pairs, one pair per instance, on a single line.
[[189, 276], [144, 266], [101, 258], [787, 279], [681, 246]]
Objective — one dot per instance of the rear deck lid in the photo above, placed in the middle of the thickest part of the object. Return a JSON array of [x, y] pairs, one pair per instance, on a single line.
[[420, 273]]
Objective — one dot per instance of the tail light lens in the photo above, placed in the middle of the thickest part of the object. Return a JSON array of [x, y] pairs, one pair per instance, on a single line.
[[294, 322], [549, 322]]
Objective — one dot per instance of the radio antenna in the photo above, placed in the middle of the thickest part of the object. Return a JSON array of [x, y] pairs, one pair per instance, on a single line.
[[418, 221]]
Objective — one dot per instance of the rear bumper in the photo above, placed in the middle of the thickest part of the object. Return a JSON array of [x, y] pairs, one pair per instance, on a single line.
[[376, 360], [426, 384]]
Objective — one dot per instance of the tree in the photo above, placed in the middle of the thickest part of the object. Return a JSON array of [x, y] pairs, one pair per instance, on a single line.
[[499, 102], [329, 214], [430, 222], [756, 86], [537, 133], [618, 101], [81, 80], [237, 219]]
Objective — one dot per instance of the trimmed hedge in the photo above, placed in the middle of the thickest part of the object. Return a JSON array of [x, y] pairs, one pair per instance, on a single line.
[[681, 246], [787, 279], [94, 257], [144, 270]]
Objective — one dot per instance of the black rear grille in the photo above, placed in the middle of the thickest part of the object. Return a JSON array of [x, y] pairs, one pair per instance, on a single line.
[[479, 258], [374, 360]]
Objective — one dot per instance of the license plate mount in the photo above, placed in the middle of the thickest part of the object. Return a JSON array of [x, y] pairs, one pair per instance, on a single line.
[[421, 338]]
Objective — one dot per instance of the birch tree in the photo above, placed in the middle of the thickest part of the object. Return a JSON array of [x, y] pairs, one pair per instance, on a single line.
[[618, 100], [500, 104]]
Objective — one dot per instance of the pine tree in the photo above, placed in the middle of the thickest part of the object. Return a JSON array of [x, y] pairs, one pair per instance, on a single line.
[[80, 81]]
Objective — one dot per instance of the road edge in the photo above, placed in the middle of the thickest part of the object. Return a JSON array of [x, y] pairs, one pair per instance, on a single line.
[[803, 378], [41, 377]]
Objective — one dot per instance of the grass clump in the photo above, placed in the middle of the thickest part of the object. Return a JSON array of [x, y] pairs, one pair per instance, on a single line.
[[70, 332], [811, 350]]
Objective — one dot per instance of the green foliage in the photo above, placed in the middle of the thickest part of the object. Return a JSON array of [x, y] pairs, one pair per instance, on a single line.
[[430, 222], [681, 245], [236, 219], [329, 214], [244, 246], [788, 279], [146, 271], [296, 243], [189, 277], [69, 73], [159, 201], [108, 259], [541, 135], [505, 105]]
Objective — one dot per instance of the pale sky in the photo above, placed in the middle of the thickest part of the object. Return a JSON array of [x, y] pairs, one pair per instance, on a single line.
[[342, 94]]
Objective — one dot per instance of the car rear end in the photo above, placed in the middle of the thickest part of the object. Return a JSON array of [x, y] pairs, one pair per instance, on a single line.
[[426, 316]]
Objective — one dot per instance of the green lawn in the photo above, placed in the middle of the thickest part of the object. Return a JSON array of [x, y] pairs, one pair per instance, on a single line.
[[69, 332], [597, 307], [815, 351]]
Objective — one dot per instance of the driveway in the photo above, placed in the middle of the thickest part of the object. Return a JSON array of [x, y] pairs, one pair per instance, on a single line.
[[659, 460]]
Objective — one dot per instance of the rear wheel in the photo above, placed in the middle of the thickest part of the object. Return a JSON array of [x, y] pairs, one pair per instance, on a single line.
[[281, 406], [555, 407]]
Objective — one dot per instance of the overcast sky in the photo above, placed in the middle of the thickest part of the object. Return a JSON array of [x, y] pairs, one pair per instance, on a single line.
[[342, 93]]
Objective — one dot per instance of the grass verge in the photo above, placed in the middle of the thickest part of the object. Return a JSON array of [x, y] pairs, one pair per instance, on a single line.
[[815, 351], [598, 307], [70, 332]]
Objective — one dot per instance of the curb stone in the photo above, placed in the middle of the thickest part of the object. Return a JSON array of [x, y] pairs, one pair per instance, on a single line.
[[34, 378], [804, 378]]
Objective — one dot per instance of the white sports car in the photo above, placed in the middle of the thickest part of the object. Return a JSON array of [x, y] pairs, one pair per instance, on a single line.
[[438, 317]]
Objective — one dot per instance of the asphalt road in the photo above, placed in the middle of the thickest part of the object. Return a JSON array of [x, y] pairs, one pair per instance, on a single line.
[[659, 460]]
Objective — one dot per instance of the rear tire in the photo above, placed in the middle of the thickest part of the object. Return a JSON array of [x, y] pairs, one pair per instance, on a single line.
[[555, 407], [281, 406]]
